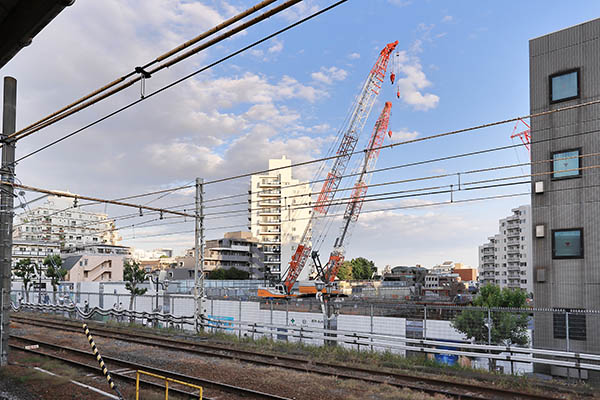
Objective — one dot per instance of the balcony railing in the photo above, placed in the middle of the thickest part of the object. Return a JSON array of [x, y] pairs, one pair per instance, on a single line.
[[267, 211], [274, 221], [271, 232], [265, 183], [269, 203], [266, 193], [271, 240]]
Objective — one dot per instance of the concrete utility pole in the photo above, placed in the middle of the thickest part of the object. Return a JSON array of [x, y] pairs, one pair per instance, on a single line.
[[7, 169], [199, 254]]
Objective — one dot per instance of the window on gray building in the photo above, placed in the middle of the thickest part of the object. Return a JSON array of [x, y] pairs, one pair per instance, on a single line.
[[564, 86], [577, 326], [567, 243], [565, 164]]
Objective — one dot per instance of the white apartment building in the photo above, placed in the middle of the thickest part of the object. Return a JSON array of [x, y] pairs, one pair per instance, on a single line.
[[279, 214], [57, 221], [155, 254], [36, 252], [507, 258]]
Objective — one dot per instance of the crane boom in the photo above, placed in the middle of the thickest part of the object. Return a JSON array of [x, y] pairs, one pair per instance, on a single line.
[[353, 208], [358, 116]]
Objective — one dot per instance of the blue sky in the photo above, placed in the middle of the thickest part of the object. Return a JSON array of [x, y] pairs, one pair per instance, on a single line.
[[463, 63]]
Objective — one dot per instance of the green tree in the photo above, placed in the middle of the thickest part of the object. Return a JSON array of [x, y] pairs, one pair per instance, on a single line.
[[25, 269], [507, 328], [133, 275], [217, 274], [55, 272], [228, 274], [362, 268], [345, 271]]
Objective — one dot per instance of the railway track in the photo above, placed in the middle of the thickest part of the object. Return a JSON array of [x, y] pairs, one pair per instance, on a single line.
[[429, 385], [125, 370]]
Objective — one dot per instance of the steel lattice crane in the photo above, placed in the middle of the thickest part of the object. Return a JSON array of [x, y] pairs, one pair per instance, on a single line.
[[352, 129], [353, 208]]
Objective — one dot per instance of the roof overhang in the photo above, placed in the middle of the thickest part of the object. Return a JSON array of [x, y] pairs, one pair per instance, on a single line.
[[21, 20]]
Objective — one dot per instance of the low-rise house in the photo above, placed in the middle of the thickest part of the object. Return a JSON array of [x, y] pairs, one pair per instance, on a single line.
[[95, 263]]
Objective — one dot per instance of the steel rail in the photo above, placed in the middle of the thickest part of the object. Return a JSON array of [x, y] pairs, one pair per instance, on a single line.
[[205, 383], [289, 362], [97, 369]]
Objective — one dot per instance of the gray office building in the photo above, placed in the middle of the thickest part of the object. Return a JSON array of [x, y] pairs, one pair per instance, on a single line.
[[565, 71]]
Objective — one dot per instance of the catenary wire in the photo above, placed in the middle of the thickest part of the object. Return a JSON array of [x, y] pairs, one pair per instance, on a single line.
[[416, 163], [527, 182], [160, 58], [438, 204], [311, 204], [377, 170], [176, 82], [445, 158], [439, 176], [147, 74]]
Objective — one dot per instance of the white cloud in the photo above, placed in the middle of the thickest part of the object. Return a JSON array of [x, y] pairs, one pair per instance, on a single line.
[[412, 82], [228, 92], [201, 14], [177, 158], [276, 47], [329, 75], [354, 56], [403, 135], [423, 236], [300, 10], [400, 3], [447, 18]]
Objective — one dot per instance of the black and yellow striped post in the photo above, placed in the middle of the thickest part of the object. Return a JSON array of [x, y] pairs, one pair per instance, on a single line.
[[101, 361]]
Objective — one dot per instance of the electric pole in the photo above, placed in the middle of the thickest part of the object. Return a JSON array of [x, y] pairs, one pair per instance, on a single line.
[[199, 254], [7, 169]]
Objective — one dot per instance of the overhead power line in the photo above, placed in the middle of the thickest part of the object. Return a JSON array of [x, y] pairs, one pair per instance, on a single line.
[[178, 81], [142, 73], [409, 180], [77, 196], [133, 215], [457, 185], [425, 138], [411, 164], [395, 208]]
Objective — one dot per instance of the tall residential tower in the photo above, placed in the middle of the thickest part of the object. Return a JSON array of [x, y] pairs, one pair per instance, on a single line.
[[506, 259], [280, 209]]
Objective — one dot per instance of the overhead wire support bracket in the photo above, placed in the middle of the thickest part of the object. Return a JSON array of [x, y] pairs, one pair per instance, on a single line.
[[143, 76]]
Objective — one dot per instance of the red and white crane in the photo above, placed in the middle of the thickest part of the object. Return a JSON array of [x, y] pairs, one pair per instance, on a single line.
[[352, 129], [336, 258]]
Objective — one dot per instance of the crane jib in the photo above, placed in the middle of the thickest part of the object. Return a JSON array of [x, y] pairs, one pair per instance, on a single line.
[[359, 114]]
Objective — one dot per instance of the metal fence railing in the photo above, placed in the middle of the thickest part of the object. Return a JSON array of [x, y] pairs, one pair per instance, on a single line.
[[511, 337]]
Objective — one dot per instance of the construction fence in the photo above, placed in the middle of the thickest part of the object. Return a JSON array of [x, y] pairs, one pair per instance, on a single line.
[[445, 332]]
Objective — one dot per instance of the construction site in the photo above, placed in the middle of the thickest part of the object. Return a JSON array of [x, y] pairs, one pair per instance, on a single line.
[[272, 296]]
